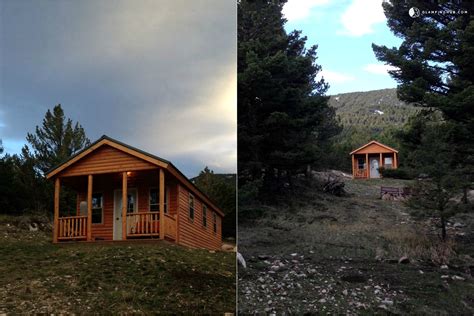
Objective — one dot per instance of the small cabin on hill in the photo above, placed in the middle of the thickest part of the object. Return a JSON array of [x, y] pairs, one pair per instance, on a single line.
[[160, 202], [367, 160]]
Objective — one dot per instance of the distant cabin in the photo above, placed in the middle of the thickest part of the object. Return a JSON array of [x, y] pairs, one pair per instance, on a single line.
[[161, 203], [367, 160]]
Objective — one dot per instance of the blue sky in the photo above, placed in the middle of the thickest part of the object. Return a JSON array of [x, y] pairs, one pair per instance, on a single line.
[[344, 31], [158, 75]]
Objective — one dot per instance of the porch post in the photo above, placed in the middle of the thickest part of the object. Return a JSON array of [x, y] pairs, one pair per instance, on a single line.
[[124, 205], [89, 208], [353, 168], [162, 204], [367, 165], [380, 164], [395, 162], [57, 189]]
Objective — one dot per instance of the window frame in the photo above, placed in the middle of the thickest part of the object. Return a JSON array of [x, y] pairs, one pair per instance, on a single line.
[[192, 199], [101, 208], [204, 216], [167, 198], [214, 222]]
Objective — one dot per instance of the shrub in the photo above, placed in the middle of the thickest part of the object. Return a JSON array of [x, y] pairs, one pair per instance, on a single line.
[[399, 173]]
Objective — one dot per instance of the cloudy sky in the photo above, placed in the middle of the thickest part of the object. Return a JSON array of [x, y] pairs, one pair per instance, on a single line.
[[344, 30], [159, 75]]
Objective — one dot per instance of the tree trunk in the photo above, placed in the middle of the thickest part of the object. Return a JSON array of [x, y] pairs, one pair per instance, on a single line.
[[464, 196], [443, 229]]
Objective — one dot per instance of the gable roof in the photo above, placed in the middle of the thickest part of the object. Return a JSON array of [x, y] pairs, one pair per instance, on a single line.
[[373, 142], [160, 162]]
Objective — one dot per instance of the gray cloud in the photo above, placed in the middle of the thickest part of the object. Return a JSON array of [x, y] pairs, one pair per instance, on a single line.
[[159, 75]]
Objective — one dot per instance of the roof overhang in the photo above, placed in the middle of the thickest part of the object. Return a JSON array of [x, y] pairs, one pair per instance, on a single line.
[[376, 143]]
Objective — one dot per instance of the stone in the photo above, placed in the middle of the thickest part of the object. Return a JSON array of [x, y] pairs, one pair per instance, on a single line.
[[444, 266], [387, 302], [404, 260], [33, 227], [457, 278], [345, 292], [322, 300]]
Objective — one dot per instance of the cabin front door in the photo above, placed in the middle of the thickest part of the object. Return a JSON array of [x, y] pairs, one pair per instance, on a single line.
[[374, 167], [132, 207]]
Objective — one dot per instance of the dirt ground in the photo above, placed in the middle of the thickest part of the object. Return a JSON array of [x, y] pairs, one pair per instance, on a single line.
[[327, 254]]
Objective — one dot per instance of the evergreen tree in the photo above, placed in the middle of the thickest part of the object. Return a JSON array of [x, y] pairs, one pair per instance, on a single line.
[[56, 141], [436, 68], [221, 188], [429, 156], [284, 121]]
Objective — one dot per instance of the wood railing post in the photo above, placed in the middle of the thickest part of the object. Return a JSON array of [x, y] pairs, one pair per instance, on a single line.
[[124, 205], [162, 204], [367, 165], [89, 207], [57, 189]]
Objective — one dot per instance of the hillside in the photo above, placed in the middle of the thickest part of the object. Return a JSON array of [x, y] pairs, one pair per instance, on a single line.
[[375, 109], [109, 278], [353, 255]]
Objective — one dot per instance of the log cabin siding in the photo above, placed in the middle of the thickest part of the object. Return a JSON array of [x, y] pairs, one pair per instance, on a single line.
[[106, 159], [192, 233]]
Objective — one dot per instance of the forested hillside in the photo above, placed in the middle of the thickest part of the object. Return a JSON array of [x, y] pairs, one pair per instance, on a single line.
[[373, 110]]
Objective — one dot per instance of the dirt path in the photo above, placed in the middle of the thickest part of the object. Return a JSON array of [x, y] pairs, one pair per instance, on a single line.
[[340, 255]]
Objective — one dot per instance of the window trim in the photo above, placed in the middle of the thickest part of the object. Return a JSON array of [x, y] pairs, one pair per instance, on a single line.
[[204, 216], [102, 208], [190, 196]]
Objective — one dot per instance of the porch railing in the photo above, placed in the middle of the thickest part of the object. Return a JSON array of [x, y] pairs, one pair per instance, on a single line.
[[143, 224], [170, 226], [360, 173], [72, 227]]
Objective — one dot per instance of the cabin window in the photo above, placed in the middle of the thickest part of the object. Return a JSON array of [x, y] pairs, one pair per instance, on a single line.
[[191, 207], [214, 221], [131, 202], [155, 200], [360, 163], [387, 162], [97, 208], [204, 216]]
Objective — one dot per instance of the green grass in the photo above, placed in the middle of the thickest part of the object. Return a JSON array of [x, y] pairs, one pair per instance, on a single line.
[[39, 277]]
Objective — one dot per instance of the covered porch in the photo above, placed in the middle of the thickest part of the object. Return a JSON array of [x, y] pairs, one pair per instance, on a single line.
[[368, 165], [150, 210]]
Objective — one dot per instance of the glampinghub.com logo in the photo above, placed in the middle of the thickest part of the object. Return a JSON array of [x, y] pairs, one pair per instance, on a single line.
[[414, 12]]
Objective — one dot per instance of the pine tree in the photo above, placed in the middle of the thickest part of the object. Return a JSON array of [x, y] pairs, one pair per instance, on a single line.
[[436, 68], [56, 140], [284, 121]]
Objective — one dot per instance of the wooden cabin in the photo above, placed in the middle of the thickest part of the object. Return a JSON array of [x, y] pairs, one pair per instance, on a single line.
[[161, 203], [367, 160]]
